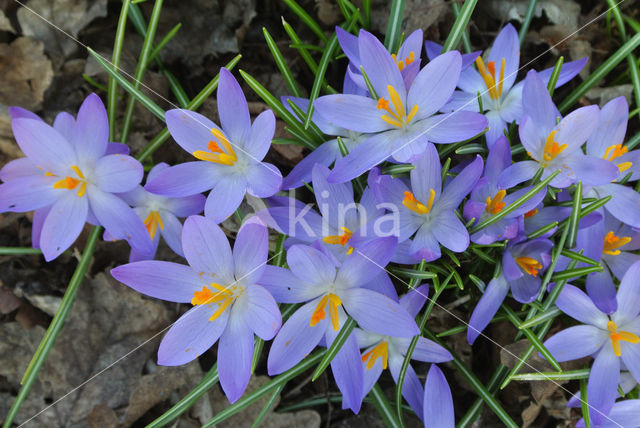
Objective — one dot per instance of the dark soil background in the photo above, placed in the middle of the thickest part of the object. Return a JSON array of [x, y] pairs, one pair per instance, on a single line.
[[42, 69]]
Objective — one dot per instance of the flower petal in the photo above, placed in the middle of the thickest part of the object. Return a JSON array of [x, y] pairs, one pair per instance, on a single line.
[[260, 136], [225, 198], [538, 104], [63, 225], [250, 251], [456, 190], [577, 126], [427, 175], [117, 173], [233, 109], [206, 248], [629, 295], [367, 261], [186, 206], [311, 265], [434, 84], [450, 232], [507, 46], [378, 313], [575, 303], [412, 390], [353, 112], [602, 291], [347, 370], [454, 127], [185, 179], [163, 280], [425, 245], [22, 194], [191, 130], [438, 403], [487, 307], [45, 146], [603, 384], [429, 351], [612, 127], [91, 130], [576, 342], [172, 232], [262, 314], [235, 353], [368, 154], [517, 173], [264, 180], [624, 204], [379, 66], [325, 155], [286, 287], [335, 200]]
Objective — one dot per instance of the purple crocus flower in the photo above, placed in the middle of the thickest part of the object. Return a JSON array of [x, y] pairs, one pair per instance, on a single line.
[[607, 142], [522, 262], [556, 146], [438, 402], [229, 159], [224, 287], [325, 289], [494, 82], [426, 209], [488, 199], [607, 338], [402, 121], [160, 215], [382, 351], [69, 177]]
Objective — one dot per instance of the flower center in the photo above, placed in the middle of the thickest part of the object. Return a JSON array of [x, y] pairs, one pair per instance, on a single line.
[[616, 336], [551, 148], [615, 151], [381, 350], [416, 206], [397, 116], [340, 239], [529, 265], [408, 60], [152, 222], [488, 74], [215, 153], [71, 182], [319, 314], [224, 296], [531, 213], [613, 242], [495, 204]]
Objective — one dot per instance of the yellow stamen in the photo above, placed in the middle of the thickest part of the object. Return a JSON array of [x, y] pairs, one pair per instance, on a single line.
[[152, 222], [488, 77], [403, 63], [414, 205], [319, 313], [502, 64], [223, 297], [495, 204], [381, 350], [616, 336], [397, 116], [340, 239], [612, 243], [531, 213], [614, 151], [529, 265], [215, 153], [71, 183], [551, 148]]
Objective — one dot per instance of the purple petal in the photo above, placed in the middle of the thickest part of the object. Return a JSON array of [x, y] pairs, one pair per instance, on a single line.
[[429, 351], [577, 126], [296, 339], [91, 130], [163, 280], [568, 71], [191, 130], [612, 127], [450, 232], [45, 146], [186, 206], [299, 222], [630, 353], [117, 149], [370, 153], [63, 225], [65, 123], [496, 125], [264, 180], [517, 173], [507, 46], [379, 66], [348, 371], [335, 200], [538, 104], [262, 313], [461, 185], [412, 390], [575, 303], [432, 49], [624, 204], [207, 249], [232, 108], [378, 313], [286, 287], [454, 127], [311, 265], [576, 342], [434, 84], [262, 130], [235, 353], [325, 155], [250, 251], [17, 168], [353, 112], [525, 289], [471, 82], [117, 173], [225, 198], [603, 383], [119, 219], [412, 44], [185, 179], [39, 216], [18, 112], [191, 336], [498, 160], [28, 193], [629, 295], [602, 291], [511, 109], [427, 175], [425, 245], [349, 44], [367, 261], [172, 232], [414, 300], [487, 307], [438, 403]]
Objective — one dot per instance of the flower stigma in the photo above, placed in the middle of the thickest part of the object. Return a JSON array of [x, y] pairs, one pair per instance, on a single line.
[[319, 314], [381, 350], [613, 242], [616, 336], [71, 183]]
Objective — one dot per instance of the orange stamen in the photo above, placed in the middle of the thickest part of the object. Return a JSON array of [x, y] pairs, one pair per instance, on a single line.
[[71, 183], [215, 153], [616, 336], [495, 204], [152, 222], [529, 265], [414, 205], [531, 213], [612, 243], [319, 313], [381, 350], [552, 148]]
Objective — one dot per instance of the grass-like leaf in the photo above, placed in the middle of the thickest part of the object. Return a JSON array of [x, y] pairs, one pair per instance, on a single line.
[[112, 91], [341, 338], [459, 25], [394, 26]]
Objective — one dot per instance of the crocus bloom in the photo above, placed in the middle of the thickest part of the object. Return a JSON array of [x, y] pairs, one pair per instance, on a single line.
[[427, 209], [607, 142], [402, 121], [229, 159], [160, 215], [382, 351], [69, 177], [229, 304], [325, 289], [494, 81], [608, 338], [556, 146], [438, 403], [522, 262], [624, 414], [488, 199]]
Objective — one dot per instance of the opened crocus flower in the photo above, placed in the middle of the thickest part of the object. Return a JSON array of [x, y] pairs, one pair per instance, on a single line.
[[229, 158], [607, 142], [522, 264], [229, 304], [488, 199], [426, 209], [608, 339], [69, 177], [160, 215], [493, 82], [612, 243], [331, 292], [556, 145], [328, 152], [403, 121], [384, 351]]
